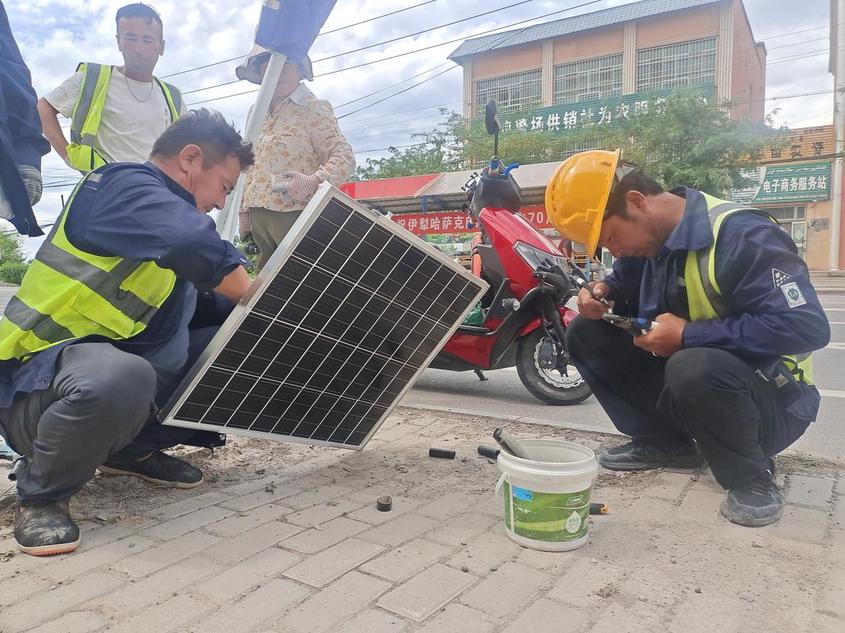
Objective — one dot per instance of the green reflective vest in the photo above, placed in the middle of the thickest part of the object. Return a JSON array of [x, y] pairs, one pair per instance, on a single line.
[[68, 293], [88, 112], [704, 297]]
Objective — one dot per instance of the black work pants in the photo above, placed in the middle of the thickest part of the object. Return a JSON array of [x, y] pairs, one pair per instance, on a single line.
[[102, 400], [706, 394]]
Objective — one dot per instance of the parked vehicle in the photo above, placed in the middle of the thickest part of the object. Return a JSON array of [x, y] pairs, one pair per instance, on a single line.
[[523, 317]]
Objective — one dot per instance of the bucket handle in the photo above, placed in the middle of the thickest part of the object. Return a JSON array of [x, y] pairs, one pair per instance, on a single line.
[[499, 485]]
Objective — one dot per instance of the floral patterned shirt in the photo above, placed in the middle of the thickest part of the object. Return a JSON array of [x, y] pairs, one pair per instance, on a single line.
[[302, 135]]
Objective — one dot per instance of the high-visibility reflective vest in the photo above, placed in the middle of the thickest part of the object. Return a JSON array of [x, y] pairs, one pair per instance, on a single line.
[[68, 293], [88, 112], [704, 297]]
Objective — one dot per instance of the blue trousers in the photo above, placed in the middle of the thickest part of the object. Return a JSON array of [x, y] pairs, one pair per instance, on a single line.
[[706, 394], [102, 400]]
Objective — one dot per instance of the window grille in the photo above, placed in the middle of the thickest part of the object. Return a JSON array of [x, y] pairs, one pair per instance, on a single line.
[[519, 91], [588, 79], [683, 64], [787, 214]]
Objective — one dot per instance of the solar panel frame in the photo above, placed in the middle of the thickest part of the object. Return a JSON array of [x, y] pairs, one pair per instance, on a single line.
[[236, 325]]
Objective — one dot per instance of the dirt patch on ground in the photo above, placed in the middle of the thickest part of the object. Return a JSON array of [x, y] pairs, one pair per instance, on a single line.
[[410, 469]]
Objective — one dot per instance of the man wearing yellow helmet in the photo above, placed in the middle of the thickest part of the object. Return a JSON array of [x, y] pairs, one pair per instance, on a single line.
[[724, 373]]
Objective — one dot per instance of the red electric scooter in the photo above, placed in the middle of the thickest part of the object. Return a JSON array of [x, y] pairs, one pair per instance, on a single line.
[[524, 314]]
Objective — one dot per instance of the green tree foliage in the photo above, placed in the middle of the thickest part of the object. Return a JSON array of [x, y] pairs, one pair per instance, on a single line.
[[691, 142], [430, 153], [12, 262], [10, 249]]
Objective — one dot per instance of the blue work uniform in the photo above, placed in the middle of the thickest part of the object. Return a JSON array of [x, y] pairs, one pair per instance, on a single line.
[[69, 421], [139, 213], [21, 141], [755, 259]]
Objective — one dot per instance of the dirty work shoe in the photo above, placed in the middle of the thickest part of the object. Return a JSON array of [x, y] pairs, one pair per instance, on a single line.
[[157, 467], [754, 504], [642, 455], [45, 528]]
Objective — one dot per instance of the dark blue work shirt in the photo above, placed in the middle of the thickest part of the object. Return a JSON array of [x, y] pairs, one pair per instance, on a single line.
[[757, 269], [138, 212], [21, 142]]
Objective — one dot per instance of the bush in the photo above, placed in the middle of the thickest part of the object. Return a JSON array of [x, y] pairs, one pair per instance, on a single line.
[[13, 272]]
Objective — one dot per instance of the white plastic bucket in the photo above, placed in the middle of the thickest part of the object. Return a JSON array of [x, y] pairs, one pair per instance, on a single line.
[[547, 498]]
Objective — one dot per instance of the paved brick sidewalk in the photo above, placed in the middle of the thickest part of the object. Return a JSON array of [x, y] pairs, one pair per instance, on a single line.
[[302, 549]]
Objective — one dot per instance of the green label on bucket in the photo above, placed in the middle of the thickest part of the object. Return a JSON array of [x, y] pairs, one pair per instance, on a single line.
[[542, 516]]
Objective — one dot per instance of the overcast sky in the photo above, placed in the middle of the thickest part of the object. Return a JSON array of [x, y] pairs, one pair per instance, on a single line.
[[54, 35]]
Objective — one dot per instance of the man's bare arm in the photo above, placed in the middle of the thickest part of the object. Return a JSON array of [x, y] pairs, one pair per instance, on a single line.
[[52, 129], [235, 285]]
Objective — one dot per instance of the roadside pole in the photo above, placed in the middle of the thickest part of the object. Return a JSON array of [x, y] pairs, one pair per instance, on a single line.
[[838, 64], [227, 220]]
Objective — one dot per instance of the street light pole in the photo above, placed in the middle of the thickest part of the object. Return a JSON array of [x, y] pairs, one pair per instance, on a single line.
[[838, 54], [227, 220]]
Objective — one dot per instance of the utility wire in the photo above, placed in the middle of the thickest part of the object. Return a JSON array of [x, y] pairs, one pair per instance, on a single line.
[[796, 57], [434, 28], [378, 17], [815, 28], [382, 43], [499, 41], [774, 48], [458, 39], [348, 26], [398, 83], [381, 116], [425, 48], [390, 96]]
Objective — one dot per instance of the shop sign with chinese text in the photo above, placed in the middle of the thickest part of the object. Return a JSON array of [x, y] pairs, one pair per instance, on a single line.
[[458, 221], [800, 182], [595, 112]]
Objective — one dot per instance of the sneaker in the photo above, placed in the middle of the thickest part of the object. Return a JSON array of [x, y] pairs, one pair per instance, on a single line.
[[45, 528], [641, 455], [754, 504], [157, 467]]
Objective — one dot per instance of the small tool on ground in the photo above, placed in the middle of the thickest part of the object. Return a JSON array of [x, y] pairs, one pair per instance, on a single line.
[[509, 443]]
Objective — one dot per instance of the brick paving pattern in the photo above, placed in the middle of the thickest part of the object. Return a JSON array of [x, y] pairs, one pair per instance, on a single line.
[[304, 550]]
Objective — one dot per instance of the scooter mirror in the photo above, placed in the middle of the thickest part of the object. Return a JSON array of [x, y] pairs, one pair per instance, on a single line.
[[491, 118]]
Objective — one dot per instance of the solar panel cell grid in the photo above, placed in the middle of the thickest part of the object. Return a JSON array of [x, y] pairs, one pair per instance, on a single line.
[[341, 326]]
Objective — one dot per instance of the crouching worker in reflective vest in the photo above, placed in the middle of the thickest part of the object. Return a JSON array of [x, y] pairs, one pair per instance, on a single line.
[[724, 374], [107, 321]]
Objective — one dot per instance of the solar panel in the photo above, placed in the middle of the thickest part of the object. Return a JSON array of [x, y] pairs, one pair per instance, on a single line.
[[346, 314]]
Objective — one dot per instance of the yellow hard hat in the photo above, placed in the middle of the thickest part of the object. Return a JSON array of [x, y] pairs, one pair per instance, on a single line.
[[576, 196]]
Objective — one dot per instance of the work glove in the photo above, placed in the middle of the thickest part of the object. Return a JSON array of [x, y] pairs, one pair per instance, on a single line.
[[300, 187], [5, 206], [32, 181]]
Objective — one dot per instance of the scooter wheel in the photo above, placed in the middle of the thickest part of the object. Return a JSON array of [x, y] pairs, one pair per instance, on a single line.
[[549, 385]]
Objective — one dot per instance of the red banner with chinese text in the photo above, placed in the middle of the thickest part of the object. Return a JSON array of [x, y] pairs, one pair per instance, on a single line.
[[456, 221]]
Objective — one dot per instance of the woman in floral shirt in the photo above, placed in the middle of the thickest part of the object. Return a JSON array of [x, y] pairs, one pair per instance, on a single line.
[[300, 145]]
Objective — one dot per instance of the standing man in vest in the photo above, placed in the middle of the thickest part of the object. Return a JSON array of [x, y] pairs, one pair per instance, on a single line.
[[724, 374], [108, 319], [116, 112], [300, 146]]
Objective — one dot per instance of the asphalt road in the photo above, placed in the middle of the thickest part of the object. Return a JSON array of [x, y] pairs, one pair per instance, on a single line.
[[504, 395]]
